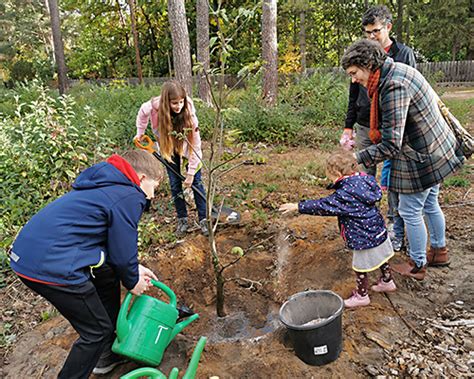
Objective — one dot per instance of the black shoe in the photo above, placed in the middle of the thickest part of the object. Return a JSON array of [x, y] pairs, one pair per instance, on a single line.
[[107, 362]]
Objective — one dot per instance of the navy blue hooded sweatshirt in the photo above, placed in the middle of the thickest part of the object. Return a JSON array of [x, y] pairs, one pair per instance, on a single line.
[[94, 223], [354, 203]]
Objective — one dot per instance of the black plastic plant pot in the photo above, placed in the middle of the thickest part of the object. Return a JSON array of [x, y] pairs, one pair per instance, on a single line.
[[314, 323]]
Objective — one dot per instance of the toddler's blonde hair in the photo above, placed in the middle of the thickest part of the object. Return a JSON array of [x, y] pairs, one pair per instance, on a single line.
[[342, 162]]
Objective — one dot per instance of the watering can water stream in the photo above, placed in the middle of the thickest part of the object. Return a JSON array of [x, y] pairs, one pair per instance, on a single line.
[[145, 330]]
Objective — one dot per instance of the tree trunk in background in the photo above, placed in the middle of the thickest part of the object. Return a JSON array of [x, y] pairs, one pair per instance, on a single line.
[[153, 43], [303, 40], [181, 49], [470, 47], [400, 21], [138, 62], [202, 37], [58, 46], [270, 52], [366, 4]]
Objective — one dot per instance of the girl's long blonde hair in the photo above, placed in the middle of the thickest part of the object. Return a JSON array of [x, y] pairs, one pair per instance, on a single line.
[[181, 123]]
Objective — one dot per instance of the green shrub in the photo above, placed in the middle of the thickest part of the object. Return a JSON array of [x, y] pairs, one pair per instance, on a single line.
[[22, 70], [45, 144]]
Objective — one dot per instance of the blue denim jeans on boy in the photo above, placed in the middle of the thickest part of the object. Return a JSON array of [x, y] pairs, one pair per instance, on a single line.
[[177, 190], [394, 216], [412, 207]]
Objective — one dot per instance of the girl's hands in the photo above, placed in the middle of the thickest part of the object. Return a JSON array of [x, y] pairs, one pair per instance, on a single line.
[[189, 181], [288, 207], [145, 276]]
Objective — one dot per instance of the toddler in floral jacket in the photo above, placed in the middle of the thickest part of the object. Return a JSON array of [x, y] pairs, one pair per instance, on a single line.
[[360, 221]]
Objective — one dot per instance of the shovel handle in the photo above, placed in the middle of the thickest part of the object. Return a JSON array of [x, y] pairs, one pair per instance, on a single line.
[[144, 143]]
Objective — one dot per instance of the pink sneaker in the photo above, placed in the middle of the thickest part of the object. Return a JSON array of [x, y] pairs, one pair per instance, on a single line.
[[382, 286], [356, 300]]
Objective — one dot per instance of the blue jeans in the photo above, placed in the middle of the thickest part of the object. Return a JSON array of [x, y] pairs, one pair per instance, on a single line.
[[177, 190], [394, 216], [411, 208]]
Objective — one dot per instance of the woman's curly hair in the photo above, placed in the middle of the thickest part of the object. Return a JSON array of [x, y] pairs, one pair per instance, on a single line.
[[364, 54]]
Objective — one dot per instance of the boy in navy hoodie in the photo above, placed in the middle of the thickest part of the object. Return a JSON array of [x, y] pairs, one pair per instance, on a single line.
[[75, 252], [362, 227]]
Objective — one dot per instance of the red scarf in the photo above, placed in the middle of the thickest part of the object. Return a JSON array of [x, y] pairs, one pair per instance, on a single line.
[[373, 90]]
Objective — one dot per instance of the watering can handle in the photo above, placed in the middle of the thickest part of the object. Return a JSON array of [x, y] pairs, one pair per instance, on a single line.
[[166, 290], [144, 143]]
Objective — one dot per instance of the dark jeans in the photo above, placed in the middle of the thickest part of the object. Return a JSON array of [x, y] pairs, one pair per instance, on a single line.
[[92, 309], [177, 190], [393, 216]]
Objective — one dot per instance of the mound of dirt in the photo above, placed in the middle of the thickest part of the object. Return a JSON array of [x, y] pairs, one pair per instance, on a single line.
[[395, 335]]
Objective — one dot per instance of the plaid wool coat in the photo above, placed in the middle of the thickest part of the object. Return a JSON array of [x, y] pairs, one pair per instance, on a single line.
[[415, 136]]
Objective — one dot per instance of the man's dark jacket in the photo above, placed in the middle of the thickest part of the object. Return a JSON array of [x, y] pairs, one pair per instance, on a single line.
[[359, 102]]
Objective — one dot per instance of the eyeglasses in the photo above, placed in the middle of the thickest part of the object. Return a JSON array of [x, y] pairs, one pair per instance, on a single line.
[[375, 32]]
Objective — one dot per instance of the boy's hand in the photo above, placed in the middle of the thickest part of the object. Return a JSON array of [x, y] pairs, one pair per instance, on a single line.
[[141, 286], [288, 207], [146, 273], [189, 181], [145, 276]]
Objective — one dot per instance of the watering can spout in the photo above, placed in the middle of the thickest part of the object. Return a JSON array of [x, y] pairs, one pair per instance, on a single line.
[[183, 324], [193, 363]]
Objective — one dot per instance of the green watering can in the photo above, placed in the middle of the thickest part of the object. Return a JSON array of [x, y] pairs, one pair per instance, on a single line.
[[153, 373], [145, 331]]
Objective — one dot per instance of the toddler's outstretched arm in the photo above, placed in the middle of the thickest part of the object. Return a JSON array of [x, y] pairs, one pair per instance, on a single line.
[[288, 207]]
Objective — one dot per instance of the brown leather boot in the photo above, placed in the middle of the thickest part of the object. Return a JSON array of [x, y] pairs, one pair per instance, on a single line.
[[437, 256], [410, 269]]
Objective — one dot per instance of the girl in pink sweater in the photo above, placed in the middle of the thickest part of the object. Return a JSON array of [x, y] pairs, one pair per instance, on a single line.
[[175, 126]]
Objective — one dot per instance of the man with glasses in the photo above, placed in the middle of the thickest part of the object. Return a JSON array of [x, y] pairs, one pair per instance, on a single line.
[[376, 25]]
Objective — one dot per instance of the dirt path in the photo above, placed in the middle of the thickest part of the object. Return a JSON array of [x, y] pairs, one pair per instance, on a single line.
[[460, 94], [416, 331]]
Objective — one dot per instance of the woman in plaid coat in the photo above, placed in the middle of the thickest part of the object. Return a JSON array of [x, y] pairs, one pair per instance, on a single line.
[[407, 127]]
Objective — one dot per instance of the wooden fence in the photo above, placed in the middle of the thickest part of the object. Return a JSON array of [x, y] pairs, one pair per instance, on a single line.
[[457, 72], [443, 73]]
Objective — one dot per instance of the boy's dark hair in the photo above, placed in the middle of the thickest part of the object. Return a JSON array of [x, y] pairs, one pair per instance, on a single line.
[[365, 54], [341, 162], [378, 13], [143, 162]]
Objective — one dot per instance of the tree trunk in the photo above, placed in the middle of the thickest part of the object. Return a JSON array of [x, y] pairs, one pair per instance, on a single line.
[[455, 50], [138, 62], [303, 40], [400, 21], [181, 49], [202, 36], [270, 52], [220, 309], [58, 46], [153, 43], [470, 46], [127, 42]]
